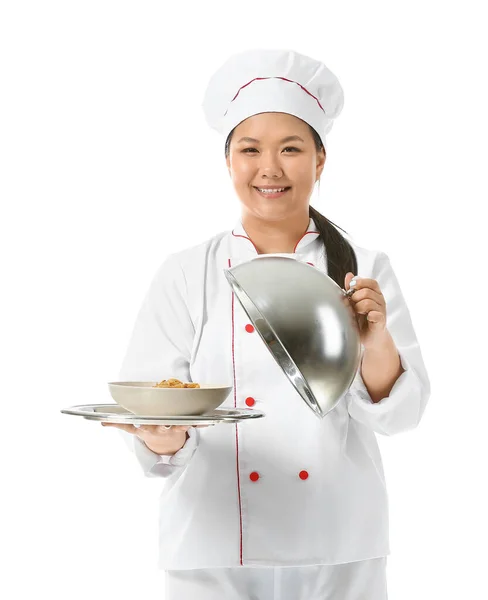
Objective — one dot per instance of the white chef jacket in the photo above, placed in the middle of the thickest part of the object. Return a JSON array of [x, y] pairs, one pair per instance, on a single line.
[[289, 488]]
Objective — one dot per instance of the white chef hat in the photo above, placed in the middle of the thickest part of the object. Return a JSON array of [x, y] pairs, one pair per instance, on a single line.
[[257, 81]]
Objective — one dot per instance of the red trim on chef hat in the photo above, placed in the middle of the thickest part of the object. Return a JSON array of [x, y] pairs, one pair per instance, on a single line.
[[257, 81]]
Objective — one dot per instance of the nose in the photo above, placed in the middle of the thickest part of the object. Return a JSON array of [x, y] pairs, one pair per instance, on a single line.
[[270, 165]]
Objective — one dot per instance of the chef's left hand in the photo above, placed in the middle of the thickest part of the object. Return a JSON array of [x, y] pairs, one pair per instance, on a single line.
[[369, 306]]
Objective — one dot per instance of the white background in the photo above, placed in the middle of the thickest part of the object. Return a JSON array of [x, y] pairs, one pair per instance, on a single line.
[[107, 165]]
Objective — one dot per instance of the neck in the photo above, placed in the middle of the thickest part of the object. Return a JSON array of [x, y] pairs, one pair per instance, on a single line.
[[271, 237]]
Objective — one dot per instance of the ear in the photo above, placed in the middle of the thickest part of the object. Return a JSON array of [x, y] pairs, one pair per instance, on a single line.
[[321, 156]]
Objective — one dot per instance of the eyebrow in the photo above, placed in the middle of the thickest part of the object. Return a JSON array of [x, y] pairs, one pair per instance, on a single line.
[[290, 138]]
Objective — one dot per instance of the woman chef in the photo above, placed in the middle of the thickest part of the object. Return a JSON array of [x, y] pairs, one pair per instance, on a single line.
[[286, 507]]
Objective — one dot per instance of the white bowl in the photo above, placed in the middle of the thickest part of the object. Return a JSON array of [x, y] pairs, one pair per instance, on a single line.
[[141, 398]]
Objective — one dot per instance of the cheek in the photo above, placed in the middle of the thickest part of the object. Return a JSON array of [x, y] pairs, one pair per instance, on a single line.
[[303, 172], [243, 172]]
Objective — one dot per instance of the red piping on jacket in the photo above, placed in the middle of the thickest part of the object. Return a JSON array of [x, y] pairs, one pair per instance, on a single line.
[[294, 249], [237, 432], [306, 233], [284, 79], [246, 238]]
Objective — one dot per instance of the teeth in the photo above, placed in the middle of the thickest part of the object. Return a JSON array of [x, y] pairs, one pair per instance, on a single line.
[[271, 191]]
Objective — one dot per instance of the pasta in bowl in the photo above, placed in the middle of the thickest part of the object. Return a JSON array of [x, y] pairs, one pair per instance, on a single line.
[[175, 383], [168, 398]]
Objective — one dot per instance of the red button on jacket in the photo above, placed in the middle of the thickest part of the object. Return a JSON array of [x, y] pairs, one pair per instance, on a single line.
[[254, 476], [250, 401], [249, 328], [303, 475]]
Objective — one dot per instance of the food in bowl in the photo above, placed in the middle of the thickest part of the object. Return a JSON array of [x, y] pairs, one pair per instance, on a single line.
[[146, 398], [175, 383]]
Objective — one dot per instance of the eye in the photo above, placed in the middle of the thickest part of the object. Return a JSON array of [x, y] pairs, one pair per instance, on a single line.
[[287, 148]]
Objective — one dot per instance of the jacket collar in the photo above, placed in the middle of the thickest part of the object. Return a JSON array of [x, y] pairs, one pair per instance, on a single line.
[[242, 243]]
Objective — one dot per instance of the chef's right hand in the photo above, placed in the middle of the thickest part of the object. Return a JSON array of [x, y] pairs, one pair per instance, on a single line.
[[156, 437]]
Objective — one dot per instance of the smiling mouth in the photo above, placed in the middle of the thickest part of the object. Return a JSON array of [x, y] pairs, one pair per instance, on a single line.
[[272, 191]]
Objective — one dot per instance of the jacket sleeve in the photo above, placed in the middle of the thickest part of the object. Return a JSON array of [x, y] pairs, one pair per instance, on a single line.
[[156, 465], [403, 408], [160, 348]]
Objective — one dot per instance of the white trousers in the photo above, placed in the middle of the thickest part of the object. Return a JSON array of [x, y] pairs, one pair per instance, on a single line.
[[363, 580]]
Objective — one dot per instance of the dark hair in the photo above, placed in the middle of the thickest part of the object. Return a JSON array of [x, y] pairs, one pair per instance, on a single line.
[[341, 258]]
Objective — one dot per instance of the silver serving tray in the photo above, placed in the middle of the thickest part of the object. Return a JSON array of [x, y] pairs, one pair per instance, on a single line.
[[113, 413]]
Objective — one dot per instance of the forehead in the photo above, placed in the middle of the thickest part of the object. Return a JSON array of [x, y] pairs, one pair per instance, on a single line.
[[271, 125]]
